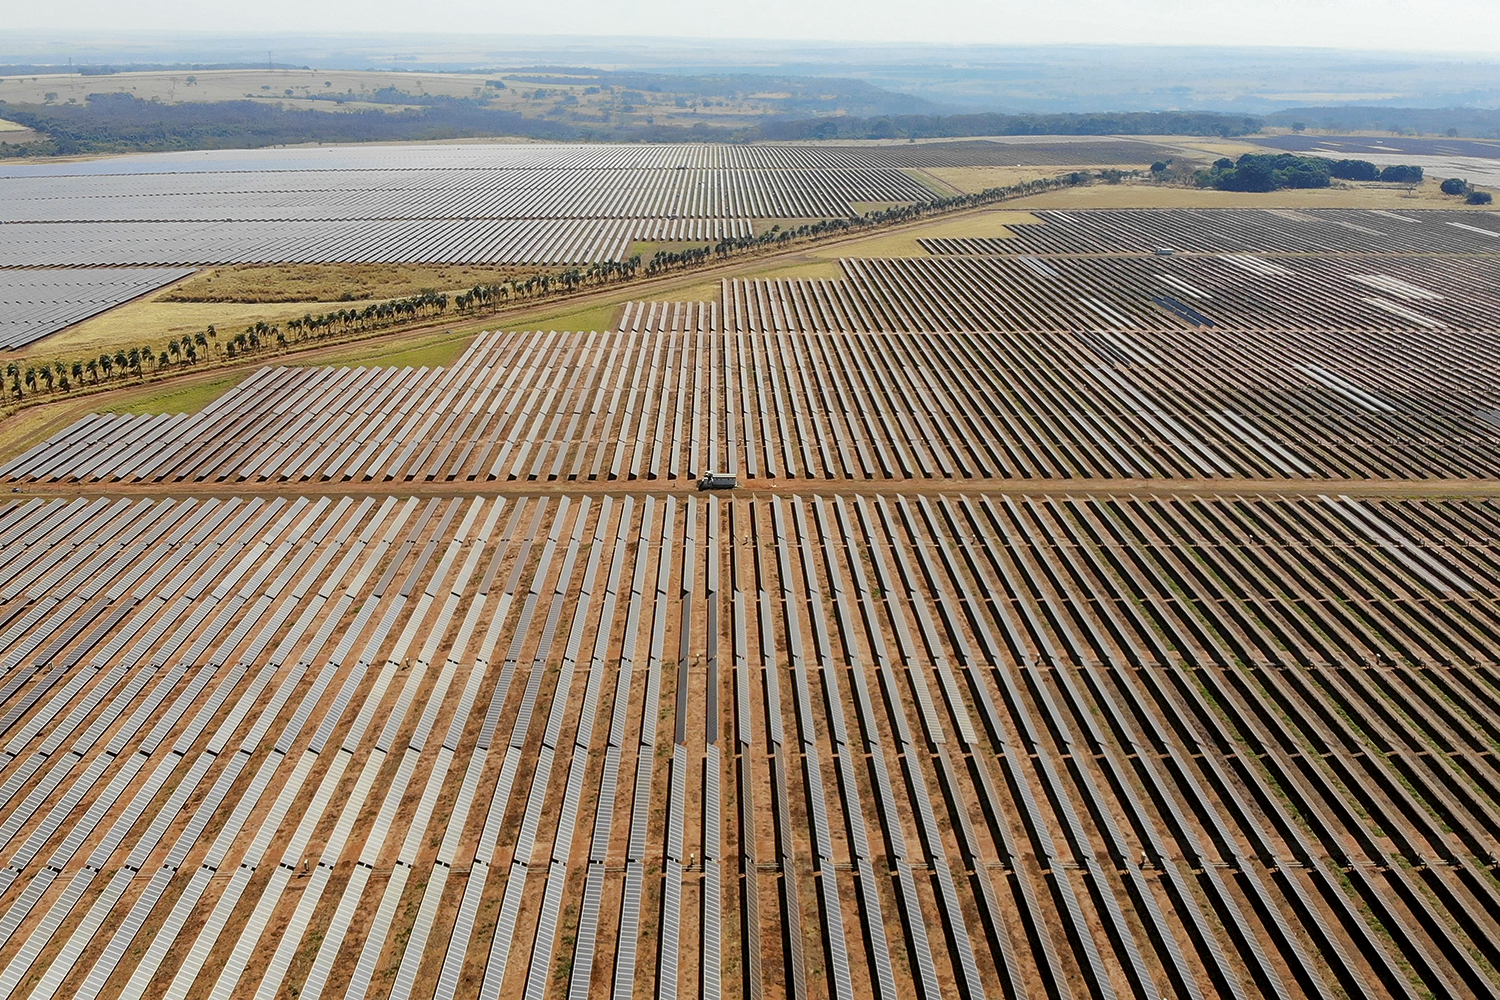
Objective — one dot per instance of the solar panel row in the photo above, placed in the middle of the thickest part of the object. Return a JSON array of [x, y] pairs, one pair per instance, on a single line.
[[35, 303]]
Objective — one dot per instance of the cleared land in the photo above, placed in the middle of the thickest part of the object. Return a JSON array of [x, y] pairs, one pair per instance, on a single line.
[[436, 681]]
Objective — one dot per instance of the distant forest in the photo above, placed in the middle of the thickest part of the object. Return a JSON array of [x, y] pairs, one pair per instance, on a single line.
[[1478, 122], [116, 123]]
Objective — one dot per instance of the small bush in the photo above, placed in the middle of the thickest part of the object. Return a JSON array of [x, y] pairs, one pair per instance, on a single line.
[[1480, 198], [1455, 185]]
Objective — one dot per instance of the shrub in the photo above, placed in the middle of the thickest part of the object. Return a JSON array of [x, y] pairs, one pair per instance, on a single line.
[[1355, 170], [1402, 173], [1455, 185], [1480, 198]]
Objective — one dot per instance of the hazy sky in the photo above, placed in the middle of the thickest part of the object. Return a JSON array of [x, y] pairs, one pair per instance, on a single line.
[[1437, 25]]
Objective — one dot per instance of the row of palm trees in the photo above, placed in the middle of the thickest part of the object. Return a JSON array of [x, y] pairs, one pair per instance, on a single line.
[[60, 376], [492, 296]]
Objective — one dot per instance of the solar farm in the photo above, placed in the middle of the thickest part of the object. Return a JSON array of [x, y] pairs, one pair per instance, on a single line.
[[80, 237], [521, 204], [1106, 609], [37, 303]]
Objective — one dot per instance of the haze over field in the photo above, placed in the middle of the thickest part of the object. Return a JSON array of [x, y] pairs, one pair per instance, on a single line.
[[954, 58], [1452, 26]]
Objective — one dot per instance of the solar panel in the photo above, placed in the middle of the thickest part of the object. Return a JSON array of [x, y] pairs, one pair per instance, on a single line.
[[671, 931], [630, 921], [676, 821]]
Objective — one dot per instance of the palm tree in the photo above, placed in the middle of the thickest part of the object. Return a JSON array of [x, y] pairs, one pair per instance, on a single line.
[[77, 371], [107, 363], [93, 367], [31, 378]]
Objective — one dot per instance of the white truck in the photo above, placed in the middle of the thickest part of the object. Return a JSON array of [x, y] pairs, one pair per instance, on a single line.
[[716, 481]]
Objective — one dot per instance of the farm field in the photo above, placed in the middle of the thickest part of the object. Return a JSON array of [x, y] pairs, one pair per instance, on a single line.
[[1088, 624]]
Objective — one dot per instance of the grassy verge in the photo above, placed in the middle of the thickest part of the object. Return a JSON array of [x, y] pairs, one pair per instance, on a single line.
[[175, 397], [433, 351]]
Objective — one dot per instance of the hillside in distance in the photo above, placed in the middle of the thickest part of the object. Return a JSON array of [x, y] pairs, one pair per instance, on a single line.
[[106, 111], [1004, 78]]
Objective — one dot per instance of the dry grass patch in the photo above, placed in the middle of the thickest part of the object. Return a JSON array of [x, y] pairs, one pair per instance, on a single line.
[[971, 180], [1207, 149], [339, 283], [152, 321]]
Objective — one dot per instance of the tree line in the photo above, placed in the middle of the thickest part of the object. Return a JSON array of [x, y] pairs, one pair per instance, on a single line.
[[117, 123]]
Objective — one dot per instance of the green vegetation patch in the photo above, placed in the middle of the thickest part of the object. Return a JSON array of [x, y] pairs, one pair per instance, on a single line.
[[179, 398], [1275, 171], [429, 352]]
